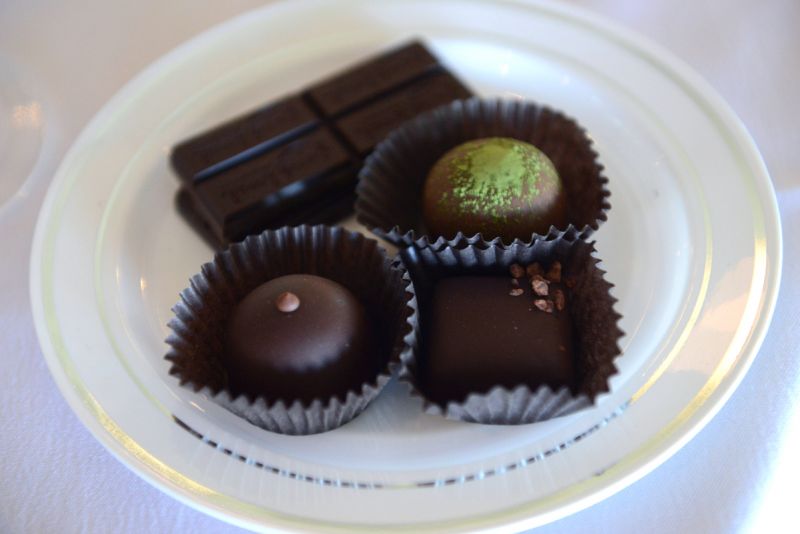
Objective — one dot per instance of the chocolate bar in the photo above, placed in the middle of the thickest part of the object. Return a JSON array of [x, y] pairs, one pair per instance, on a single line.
[[296, 160]]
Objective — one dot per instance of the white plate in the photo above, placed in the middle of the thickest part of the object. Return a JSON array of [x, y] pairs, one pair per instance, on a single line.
[[692, 242]]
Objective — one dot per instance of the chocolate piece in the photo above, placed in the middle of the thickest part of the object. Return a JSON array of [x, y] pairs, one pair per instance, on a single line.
[[367, 80], [297, 337], [258, 171], [496, 186], [218, 148], [270, 186], [197, 339], [392, 181], [479, 337], [367, 127], [481, 332]]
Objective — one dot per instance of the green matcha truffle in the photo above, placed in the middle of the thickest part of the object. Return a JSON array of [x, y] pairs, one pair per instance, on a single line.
[[496, 186]]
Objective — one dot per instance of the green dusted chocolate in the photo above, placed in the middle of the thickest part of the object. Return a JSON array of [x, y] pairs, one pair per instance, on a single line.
[[497, 186]]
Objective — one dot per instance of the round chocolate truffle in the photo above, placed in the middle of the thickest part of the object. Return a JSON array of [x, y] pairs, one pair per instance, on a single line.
[[497, 186], [298, 336]]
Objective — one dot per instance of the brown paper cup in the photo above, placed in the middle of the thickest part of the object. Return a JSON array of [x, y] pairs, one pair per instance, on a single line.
[[589, 304], [390, 184], [349, 258]]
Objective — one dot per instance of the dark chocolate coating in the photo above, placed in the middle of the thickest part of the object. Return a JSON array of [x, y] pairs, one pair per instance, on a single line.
[[257, 171], [478, 336], [495, 186], [317, 351]]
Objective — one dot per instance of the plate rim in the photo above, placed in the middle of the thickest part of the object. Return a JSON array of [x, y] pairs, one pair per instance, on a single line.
[[632, 467]]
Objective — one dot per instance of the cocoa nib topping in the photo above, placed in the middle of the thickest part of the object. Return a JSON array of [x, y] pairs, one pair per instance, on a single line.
[[545, 298], [533, 269], [515, 290], [540, 286], [544, 305], [554, 274], [517, 271], [559, 299]]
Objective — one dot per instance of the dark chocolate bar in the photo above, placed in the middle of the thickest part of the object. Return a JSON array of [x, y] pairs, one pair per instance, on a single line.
[[296, 160]]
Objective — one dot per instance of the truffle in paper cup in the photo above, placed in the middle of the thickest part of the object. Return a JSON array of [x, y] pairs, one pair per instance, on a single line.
[[203, 355], [391, 183], [511, 334]]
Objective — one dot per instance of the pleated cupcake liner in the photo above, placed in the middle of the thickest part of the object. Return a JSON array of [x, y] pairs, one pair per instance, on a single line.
[[591, 306], [389, 191], [349, 258]]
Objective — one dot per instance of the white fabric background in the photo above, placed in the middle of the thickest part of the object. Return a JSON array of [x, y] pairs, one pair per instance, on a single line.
[[738, 475]]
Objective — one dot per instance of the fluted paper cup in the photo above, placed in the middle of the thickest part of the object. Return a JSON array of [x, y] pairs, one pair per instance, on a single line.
[[523, 398], [390, 184], [354, 261]]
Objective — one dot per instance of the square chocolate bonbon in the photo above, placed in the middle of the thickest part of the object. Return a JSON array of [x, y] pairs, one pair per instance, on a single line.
[[488, 331], [511, 334], [296, 160]]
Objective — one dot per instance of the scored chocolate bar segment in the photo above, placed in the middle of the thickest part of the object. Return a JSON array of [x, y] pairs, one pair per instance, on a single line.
[[372, 78], [199, 156], [368, 126], [301, 155], [302, 170]]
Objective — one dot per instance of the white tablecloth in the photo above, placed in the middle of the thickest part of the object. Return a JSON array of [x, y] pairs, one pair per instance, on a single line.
[[738, 474]]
